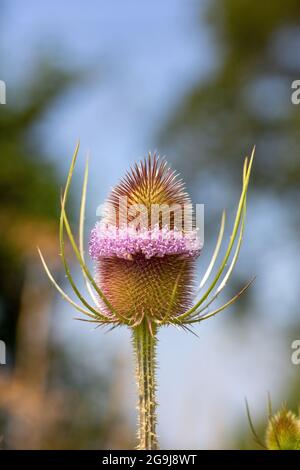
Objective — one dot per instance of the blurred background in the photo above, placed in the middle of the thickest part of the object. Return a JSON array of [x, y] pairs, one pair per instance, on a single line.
[[201, 82]]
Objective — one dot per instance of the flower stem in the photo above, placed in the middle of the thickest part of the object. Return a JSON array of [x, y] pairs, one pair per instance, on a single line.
[[145, 351]]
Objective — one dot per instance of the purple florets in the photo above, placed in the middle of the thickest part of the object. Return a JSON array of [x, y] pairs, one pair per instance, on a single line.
[[108, 241]]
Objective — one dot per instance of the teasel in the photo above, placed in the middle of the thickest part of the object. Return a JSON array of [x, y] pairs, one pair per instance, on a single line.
[[283, 431], [145, 275]]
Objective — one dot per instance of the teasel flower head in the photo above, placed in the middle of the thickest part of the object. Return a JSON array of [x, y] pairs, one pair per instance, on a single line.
[[282, 430], [144, 250]]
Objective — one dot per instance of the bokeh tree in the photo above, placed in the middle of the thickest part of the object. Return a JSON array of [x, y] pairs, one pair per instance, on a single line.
[[46, 402], [28, 190]]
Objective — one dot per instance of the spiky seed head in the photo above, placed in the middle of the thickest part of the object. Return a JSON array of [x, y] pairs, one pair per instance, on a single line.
[[146, 268], [283, 431]]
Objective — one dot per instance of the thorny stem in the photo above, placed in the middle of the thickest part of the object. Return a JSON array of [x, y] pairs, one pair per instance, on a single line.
[[144, 342]]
